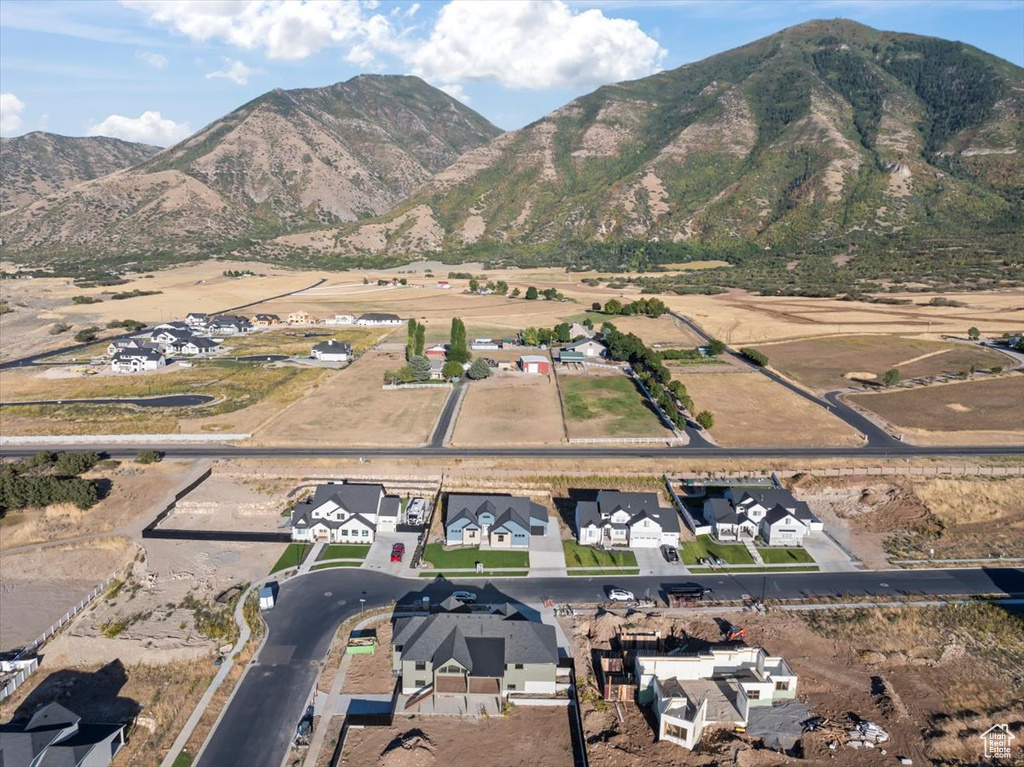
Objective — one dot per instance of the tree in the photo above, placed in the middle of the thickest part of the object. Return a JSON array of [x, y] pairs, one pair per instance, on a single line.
[[531, 293], [891, 377], [474, 286], [420, 367], [588, 323], [479, 369], [410, 339], [501, 287], [85, 335], [562, 332], [755, 356], [514, 293], [613, 306], [716, 347], [706, 419], [973, 333], [595, 307], [148, 456], [530, 337], [421, 340], [451, 370], [458, 348], [73, 464]]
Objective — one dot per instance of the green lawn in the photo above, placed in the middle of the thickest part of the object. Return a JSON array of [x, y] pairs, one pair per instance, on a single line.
[[613, 571], [329, 565], [293, 556], [732, 553], [787, 556], [468, 557], [183, 759], [615, 398], [344, 551], [588, 556], [755, 569], [485, 573]]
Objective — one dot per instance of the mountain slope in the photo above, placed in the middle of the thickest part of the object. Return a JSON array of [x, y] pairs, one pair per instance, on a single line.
[[286, 161], [814, 133], [38, 164]]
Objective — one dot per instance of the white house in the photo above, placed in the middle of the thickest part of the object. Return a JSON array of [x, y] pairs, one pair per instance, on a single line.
[[167, 336], [123, 344], [377, 319], [775, 515], [340, 319], [196, 320], [718, 686], [193, 347], [626, 519], [588, 347], [332, 351], [229, 325], [172, 325], [345, 513], [137, 360]]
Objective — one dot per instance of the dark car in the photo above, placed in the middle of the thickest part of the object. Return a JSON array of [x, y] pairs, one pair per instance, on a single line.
[[670, 553], [397, 552]]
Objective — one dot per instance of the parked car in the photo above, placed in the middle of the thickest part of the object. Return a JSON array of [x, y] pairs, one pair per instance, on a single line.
[[466, 597], [670, 553], [397, 552], [621, 595]]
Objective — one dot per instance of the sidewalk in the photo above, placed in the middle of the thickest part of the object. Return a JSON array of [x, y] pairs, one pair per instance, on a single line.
[[311, 559], [753, 551]]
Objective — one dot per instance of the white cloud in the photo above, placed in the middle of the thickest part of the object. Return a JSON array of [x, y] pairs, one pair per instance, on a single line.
[[149, 128], [534, 45], [155, 60], [11, 108], [235, 71], [456, 91]]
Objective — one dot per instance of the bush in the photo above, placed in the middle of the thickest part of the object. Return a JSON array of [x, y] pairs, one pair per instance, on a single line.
[[148, 456], [451, 370], [86, 335], [420, 367], [85, 300], [73, 464], [20, 492], [531, 293], [973, 333], [891, 377], [716, 347], [755, 356], [58, 328], [705, 418], [479, 370]]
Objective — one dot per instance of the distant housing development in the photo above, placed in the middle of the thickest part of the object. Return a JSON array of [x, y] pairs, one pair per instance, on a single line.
[[626, 519], [137, 360], [500, 521], [345, 513]]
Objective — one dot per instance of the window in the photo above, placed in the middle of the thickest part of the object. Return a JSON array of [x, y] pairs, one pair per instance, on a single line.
[[782, 685], [519, 667], [398, 647], [366, 533], [421, 683], [675, 731], [753, 694], [510, 686], [421, 665]]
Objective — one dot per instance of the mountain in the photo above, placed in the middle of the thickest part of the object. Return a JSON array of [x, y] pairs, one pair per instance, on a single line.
[[38, 164], [820, 132], [284, 162]]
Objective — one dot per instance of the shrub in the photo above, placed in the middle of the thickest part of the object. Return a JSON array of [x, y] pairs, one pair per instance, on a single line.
[[755, 356], [451, 370], [73, 464], [531, 293], [58, 328], [479, 370], [716, 346], [85, 335], [706, 419], [85, 300], [891, 377], [148, 456], [420, 367], [973, 333]]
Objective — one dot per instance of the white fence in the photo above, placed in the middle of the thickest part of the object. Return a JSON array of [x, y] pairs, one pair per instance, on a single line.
[[13, 683], [628, 441], [120, 439], [389, 387]]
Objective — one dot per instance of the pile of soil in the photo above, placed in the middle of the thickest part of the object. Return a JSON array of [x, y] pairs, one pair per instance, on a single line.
[[872, 507], [410, 749]]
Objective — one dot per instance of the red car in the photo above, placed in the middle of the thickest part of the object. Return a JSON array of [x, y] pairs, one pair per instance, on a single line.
[[397, 552]]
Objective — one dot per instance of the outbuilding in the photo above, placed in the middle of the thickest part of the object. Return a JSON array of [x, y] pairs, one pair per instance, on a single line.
[[535, 363]]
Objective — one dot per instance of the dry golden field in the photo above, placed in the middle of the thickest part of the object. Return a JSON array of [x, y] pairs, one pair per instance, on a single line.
[[752, 411], [663, 332], [968, 412], [838, 362], [510, 409], [352, 408]]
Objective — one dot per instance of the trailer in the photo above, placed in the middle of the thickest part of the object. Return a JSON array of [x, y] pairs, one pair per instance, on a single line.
[[268, 595]]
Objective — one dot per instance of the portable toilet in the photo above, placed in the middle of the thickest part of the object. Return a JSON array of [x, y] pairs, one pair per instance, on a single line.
[[268, 595]]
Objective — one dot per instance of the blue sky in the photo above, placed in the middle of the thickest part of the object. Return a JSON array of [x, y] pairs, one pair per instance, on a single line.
[[158, 70]]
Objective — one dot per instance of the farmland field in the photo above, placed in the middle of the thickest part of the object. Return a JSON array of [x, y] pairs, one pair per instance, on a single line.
[[831, 363], [752, 411], [510, 409], [665, 331], [608, 406]]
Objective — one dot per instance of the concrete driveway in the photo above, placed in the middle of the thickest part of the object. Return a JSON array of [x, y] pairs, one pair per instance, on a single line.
[[829, 556], [547, 557], [652, 562], [379, 558]]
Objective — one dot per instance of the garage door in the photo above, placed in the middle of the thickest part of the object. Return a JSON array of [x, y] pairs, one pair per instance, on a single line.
[[536, 530]]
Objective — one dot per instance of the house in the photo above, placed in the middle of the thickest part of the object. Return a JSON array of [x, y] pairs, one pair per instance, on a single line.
[[376, 319], [718, 686], [485, 344], [123, 344], [332, 351], [588, 347], [774, 514], [436, 369], [444, 285], [265, 320], [56, 736], [137, 360], [437, 351], [578, 331], [177, 325], [197, 320], [345, 513], [626, 519], [301, 318], [501, 521], [340, 319], [166, 336], [535, 363], [193, 346], [229, 325], [462, 654]]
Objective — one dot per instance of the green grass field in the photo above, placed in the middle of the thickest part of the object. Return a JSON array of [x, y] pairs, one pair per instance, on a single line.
[[293, 556], [485, 573], [615, 400], [605, 571], [329, 565], [588, 556], [784, 556], [468, 557], [754, 569], [344, 551], [732, 553]]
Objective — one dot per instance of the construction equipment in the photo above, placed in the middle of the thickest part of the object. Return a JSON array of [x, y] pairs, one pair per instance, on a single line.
[[732, 633]]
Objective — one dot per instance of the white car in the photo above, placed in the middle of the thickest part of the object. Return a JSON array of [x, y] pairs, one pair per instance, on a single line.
[[621, 595], [466, 597]]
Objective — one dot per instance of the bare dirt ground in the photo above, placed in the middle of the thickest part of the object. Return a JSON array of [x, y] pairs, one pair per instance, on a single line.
[[931, 414], [372, 673], [839, 362], [351, 407], [511, 409], [527, 737], [955, 518], [231, 501], [871, 663], [753, 411]]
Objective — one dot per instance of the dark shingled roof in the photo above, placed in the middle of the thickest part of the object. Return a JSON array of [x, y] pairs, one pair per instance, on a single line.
[[637, 505], [357, 499], [504, 507]]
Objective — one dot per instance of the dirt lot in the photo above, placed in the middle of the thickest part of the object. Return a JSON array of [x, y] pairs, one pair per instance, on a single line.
[[598, 405], [870, 663], [738, 317], [372, 673], [839, 362], [752, 411], [982, 407], [528, 737], [230, 501], [877, 518], [351, 407], [510, 409]]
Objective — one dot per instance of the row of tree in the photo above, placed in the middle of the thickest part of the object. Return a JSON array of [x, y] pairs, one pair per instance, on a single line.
[[415, 339], [47, 478], [643, 307]]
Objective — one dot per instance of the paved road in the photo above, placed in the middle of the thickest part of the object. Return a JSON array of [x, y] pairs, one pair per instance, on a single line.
[[261, 718], [447, 413], [173, 400]]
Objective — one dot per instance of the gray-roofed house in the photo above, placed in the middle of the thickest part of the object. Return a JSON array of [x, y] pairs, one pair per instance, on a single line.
[[502, 521], [779, 518], [195, 346], [229, 325], [636, 520], [590, 348], [345, 513], [137, 360], [577, 331], [332, 351], [463, 654], [378, 318], [57, 737]]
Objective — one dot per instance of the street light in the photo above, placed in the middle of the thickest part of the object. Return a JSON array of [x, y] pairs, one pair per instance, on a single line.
[[362, 601]]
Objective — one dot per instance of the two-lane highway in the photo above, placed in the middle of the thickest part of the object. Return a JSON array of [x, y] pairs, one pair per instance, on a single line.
[[260, 720]]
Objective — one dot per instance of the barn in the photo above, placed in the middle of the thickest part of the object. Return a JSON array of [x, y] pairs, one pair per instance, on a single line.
[[535, 363]]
